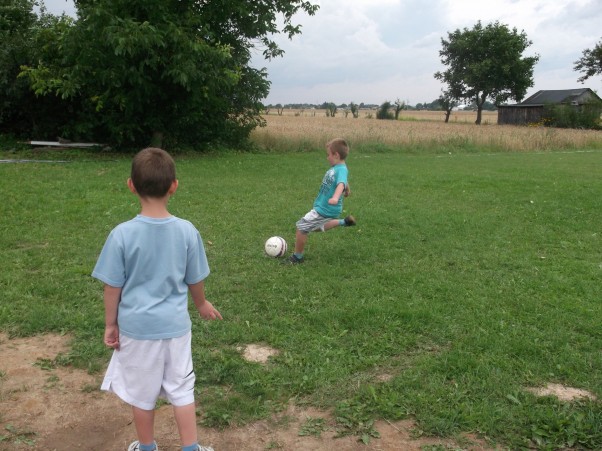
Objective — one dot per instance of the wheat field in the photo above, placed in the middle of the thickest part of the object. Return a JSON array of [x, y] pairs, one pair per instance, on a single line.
[[416, 130], [489, 117]]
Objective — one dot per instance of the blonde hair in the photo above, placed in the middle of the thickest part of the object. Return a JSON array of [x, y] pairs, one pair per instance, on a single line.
[[340, 146]]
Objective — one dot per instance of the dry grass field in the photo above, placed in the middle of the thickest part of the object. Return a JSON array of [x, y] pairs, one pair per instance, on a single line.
[[416, 130], [489, 117]]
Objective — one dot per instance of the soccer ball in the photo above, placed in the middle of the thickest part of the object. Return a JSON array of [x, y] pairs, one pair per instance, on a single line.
[[275, 247]]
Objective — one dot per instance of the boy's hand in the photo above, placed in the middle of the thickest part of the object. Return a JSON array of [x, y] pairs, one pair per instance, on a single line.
[[112, 337], [333, 201], [207, 311]]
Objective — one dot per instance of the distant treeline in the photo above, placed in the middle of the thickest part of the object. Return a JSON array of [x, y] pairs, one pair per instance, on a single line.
[[435, 105]]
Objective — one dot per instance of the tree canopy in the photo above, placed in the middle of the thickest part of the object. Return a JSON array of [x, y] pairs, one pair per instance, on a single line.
[[176, 71], [26, 39], [590, 63], [486, 63]]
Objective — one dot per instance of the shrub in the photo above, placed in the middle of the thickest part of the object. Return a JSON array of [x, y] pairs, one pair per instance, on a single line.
[[570, 116]]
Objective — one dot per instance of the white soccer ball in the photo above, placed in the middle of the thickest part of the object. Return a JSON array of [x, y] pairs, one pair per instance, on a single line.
[[275, 247]]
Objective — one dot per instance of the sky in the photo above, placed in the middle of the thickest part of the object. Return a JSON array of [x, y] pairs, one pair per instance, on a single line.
[[373, 51]]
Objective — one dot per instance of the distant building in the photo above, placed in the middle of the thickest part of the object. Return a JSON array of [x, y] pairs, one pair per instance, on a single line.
[[532, 109]]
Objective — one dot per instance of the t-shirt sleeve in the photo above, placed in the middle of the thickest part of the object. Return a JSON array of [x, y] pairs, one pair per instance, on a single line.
[[197, 267], [110, 267], [341, 176]]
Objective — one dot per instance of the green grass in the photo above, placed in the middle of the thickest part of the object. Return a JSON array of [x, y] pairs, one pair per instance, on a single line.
[[468, 279]]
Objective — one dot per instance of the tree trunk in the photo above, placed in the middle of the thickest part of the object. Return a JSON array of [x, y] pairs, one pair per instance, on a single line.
[[480, 100], [479, 111], [157, 139]]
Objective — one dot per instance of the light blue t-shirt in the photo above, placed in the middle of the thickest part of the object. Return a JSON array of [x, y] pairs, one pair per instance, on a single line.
[[335, 175], [153, 261]]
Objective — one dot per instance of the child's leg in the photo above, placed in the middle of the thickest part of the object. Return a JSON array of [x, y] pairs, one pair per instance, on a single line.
[[145, 425], [300, 240], [332, 224], [348, 221], [186, 421]]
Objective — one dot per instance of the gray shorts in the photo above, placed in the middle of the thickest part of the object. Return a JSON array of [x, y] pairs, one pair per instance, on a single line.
[[312, 222]]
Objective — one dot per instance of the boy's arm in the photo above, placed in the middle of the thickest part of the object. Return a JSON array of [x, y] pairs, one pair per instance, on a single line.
[[337, 194], [112, 296], [205, 308]]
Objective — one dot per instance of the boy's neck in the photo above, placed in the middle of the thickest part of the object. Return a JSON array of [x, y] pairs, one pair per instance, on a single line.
[[154, 207]]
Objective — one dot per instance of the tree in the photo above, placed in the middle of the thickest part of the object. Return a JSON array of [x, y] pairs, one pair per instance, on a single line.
[[590, 63], [354, 108], [149, 70], [399, 106], [331, 109], [448, 102], [384, 111], [28, 38], [16, 21], [487, 63]]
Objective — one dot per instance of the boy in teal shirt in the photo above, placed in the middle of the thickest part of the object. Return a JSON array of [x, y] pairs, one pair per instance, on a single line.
[[328, 205]]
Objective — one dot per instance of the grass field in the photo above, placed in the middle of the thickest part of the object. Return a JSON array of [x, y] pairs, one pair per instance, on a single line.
[[470, 278]]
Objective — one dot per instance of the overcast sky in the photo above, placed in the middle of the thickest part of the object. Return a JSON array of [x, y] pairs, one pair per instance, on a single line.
[[376, 50]]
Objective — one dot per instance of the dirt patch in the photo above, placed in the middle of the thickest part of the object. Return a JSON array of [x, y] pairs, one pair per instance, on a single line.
[[562, 392], [257, 353], [54, 408]]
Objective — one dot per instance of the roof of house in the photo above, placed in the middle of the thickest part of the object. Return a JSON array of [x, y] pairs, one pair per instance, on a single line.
[[556, 96]]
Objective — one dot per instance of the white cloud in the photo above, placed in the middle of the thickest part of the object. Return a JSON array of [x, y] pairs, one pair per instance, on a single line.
[[376, 50]]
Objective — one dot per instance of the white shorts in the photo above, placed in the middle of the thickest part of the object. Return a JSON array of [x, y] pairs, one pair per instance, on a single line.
[[312, 222], [142, 371]]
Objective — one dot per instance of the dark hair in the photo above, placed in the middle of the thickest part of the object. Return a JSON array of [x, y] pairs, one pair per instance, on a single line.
[[340, 146], [153, 172]]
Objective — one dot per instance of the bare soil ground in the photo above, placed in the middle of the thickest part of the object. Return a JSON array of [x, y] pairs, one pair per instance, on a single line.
[[54, 408]]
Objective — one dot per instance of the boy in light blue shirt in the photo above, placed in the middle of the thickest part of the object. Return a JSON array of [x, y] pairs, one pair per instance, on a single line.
[[328, 205], [149, 265]]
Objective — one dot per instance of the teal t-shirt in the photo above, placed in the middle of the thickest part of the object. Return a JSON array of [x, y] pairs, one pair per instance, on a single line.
[[335, 175], [153, 261]]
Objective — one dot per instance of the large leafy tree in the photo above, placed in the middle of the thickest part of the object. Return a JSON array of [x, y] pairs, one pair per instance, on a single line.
[[16, 17], [487, 63], [26, 39], [590, 63], [167, 70]]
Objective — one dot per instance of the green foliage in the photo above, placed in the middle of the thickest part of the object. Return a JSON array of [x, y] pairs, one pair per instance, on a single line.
[[132, 71], [331, 109], [27, 39], [585, 116], [576, 426], [16, 19], [384, 111], [447, 103], [17, 437], [486, 63], [355, 110], [590, 63], [313, 426]]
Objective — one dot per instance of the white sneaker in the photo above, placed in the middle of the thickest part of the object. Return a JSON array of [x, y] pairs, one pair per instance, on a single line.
[[204, 448], [135, 446]]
